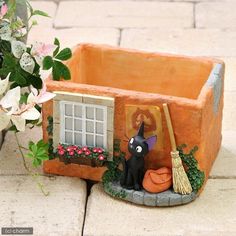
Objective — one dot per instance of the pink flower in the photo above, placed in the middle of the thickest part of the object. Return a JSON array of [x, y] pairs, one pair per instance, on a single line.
[[41, 50], [39, 98], [61, 152], [79, 151], [69, 149], [84, 149], [60, 147], [87, 153], [95, 150], [74, 148], [101, 157], [100, 150], [71, 153], [3, 10]]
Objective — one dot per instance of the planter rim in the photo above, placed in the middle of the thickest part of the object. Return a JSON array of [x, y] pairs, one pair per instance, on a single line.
[[198, 102]]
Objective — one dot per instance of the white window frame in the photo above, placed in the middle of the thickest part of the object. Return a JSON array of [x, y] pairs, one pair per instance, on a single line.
[[83, 119]]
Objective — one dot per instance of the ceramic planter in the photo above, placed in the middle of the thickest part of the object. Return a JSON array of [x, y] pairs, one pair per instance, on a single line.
[[132, 86]]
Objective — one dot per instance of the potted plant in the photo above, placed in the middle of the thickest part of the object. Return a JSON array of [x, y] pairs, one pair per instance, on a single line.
[[21, 11], [22, 88]]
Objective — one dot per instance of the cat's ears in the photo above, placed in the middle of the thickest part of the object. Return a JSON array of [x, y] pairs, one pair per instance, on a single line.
[[151, 141], [141, 130]]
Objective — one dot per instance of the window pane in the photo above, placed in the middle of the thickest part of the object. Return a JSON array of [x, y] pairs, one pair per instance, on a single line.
[[99, 128], [99, 141], [99, 114], [89, 140], [68, 137], [89, 112], [78, 111], [68, 109], [89, 126], [78, 139], [68, 123], [78, 125]]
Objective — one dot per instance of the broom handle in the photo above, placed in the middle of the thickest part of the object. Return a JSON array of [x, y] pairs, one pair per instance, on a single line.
[[170, 128]]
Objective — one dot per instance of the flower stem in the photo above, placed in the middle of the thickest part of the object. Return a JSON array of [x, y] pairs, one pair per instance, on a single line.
[[21, 152], [33, 175]]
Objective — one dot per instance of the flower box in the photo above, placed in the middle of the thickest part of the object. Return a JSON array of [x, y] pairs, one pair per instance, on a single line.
[[79, 161], [132, 86], [94, 157]]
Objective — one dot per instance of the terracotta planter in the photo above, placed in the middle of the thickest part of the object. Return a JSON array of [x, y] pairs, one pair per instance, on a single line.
[[140, 83]]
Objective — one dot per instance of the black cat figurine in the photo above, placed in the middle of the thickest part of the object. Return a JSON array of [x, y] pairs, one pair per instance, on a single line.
[[133, 168]]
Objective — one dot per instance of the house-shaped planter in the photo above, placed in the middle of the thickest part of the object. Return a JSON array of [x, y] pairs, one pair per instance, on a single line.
[[112, 90]]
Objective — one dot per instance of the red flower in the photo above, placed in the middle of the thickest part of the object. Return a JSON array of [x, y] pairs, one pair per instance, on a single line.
[[79, 151], [95, 150], [61, 152], [100, 150], [87, 153], [71, 153], [60, 147], [101, 157], [84, 149], [69, 149], [74, 148]]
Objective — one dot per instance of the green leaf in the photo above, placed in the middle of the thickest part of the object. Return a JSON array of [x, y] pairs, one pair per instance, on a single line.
[[13, 128], [30, 155], [41, 151], [47, 63], [43, 157], [23, 98], [30, 145], [19, 79], [57, 43], [64, 54], [36, 81], [9, 61], [55, 73], [61, 70], [41, 143], [34, 149], [13, 85], [4, 71], [40, 13], [37, 162]]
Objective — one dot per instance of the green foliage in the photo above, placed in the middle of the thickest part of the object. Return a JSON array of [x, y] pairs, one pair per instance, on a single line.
[[57, 43], [113, 173], [47, 63], [196, 176], [59, 70], [64, 54], [40, 13], [50, 140], [38, 152]]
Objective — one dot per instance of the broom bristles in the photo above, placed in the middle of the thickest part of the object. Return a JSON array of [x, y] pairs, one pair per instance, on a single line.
[[181, 182]]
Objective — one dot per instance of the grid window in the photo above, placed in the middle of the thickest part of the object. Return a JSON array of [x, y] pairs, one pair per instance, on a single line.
[[83, 124]]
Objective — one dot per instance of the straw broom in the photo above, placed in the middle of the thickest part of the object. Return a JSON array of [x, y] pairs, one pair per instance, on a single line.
[[181, 182]]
